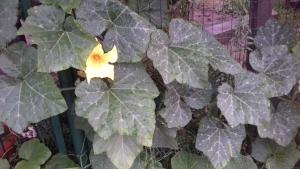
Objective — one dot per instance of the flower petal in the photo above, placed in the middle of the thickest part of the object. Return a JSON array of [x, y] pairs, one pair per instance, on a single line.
[[111, 56], [102, 71], [97, 50]]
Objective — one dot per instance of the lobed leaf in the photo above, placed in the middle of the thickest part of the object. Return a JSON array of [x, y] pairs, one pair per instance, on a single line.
[[121, 156], [241, 162], [26, 95], [164, 137], [61, 43], [283, 126], [127, 107], [123, 27], [219, 143], [240, 104], [185, 55], [274, 34]]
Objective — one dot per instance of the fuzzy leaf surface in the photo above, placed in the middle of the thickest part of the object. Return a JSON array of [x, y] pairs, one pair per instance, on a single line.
[[61, 43], [124, 28], [26, 95], [219, 143], [127, 107], [246, 103]]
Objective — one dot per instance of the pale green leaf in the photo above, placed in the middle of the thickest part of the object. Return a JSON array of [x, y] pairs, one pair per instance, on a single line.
[[219, 143], [4, 164], [164, 137], [61, 43], [60, 161], [26, 96], [275, 156], [122, 150], [273, 34], [241, 162], [283, 126], [126, 107], [66, 5], [184, 55], [27, 165], [146, 161], [124, 28], [278, 70], [34, 152], [8, 19], [184, 160], [246, 103]]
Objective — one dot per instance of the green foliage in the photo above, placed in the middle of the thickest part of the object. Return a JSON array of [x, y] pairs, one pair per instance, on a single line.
[[129, 120]]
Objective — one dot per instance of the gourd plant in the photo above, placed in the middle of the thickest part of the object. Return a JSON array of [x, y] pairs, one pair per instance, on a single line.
[[129, 110]]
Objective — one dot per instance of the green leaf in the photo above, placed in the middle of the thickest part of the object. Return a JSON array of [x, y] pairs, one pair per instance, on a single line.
[[4, 164], [164, 137], [66, 5], [124, 28], [27, 165], [61, 43], [246, 103], [219, 143], [184, 160], [26, 96], [127, 107], [60, 161], [262, 148], [101, 161], [241, 162], [146, 161], [178, 101], [278, 70], [185, 56], [284, 159], [177, 113], [273, 34], [84, 125], [296, 50], [156, 11], [283, 126], [122, 156], [277, 157], [8, 19], [35, 152]]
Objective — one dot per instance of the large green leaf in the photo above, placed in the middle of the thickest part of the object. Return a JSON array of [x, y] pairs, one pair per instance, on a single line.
[[275, 156], [273, 34], [126, 107], [60, 161], [246, 103], [178, 101], [278, 69], [184, 160], [164, 137], [185, 55], [156, 11], [122, 150], [219, 143], [27, 165], [34, 152], [66, 5], [26, 96], [8, 19], [4, 164], [284, 124], [61, 43], [146, 161], [124, 28], [241, 162]]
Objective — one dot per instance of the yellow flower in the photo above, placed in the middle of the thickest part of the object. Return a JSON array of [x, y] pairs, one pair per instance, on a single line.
[[97, 64]]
